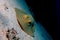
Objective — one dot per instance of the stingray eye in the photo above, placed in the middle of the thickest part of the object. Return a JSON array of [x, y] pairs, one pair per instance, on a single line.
[[30, 23], [28, 20]]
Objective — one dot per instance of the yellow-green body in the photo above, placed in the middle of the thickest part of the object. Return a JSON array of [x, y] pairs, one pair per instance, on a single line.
[[26, 22]]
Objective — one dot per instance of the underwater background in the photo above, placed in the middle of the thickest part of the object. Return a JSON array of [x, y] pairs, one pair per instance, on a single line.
[[40, 32]]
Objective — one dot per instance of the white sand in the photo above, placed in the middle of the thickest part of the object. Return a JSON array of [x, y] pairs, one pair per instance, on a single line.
[[8, 20]]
